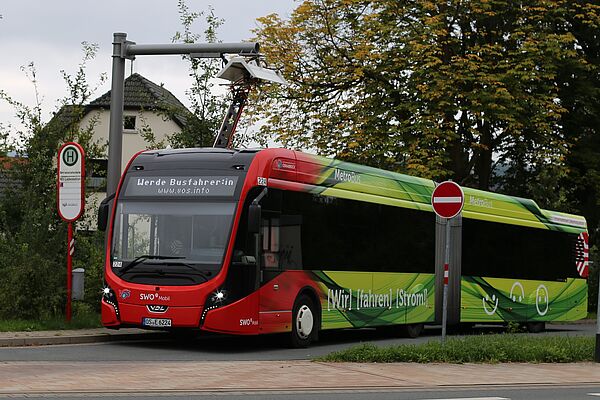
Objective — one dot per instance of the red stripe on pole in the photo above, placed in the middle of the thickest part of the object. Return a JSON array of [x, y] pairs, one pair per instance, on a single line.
[[69, 269], [445, 274]]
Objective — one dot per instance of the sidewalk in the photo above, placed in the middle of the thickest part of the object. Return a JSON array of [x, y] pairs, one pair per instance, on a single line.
[[75, 336], [272, 376], [145, 377]]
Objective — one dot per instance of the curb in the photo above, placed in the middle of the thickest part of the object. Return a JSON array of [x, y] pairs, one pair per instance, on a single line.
[[287, 391], [78, 339]]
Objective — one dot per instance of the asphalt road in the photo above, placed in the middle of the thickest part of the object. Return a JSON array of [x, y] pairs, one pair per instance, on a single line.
[[505, 393], [227, 348]]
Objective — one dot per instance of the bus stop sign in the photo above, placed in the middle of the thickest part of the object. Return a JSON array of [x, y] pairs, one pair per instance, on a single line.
[[447, 199], [70, 194]]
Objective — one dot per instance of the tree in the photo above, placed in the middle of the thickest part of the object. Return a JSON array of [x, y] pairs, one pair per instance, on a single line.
[[491, 93], [207, 108], [580, 93], [579, 87], [437, 89], [33, 239]]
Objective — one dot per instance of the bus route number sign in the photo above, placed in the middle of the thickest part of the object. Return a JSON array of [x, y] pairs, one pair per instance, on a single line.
[[70, 189], [447, 199]]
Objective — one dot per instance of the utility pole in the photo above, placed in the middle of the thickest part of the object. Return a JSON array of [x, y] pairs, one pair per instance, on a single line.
[[127, 50], [597, 352]]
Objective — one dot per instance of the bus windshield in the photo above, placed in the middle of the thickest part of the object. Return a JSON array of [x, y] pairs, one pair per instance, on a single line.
[[177, 233]]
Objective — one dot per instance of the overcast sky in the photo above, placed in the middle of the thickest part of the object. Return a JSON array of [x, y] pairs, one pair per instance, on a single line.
[[49, 33]]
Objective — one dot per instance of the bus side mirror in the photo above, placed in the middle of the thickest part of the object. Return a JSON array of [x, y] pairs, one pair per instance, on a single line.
[[103, 212], [254, 216]]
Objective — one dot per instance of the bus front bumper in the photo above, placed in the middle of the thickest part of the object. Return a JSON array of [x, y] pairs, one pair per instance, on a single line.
[[142, 316]]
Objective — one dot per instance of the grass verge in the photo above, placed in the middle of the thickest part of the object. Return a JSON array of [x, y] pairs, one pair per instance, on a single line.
[[476, 349], [79, 321]]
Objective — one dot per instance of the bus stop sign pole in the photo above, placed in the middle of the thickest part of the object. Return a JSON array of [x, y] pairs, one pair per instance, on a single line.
[[447, 200], [70, 196]]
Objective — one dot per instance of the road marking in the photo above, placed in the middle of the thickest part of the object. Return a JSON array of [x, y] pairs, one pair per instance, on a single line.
[[473, 398], [594, 394]]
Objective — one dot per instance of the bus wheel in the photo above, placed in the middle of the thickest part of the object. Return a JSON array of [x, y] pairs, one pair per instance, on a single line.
[[304, 324], [413, 330], [536, 327]]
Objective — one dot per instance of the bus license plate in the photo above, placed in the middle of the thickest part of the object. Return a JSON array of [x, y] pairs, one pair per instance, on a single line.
[[156, 322]]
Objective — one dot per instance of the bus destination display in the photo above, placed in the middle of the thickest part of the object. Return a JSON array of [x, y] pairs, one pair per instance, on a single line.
[[181, 186]]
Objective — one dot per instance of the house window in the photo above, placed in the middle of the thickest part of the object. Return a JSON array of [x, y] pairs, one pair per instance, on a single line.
[[96, 175], [129, 122]]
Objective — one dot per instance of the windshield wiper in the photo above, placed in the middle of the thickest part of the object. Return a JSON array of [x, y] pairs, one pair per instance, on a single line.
[[143, 258]]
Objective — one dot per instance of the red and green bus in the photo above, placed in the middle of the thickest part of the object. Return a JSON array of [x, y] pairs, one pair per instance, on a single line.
[[270, 241]]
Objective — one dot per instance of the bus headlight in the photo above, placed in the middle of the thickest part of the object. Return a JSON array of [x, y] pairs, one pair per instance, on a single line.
[[214, 300], [109, 297], [219, 296]]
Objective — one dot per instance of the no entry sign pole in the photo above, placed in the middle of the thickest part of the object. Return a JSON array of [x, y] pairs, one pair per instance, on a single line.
[[447, 200], [70, 199], [445, 293]]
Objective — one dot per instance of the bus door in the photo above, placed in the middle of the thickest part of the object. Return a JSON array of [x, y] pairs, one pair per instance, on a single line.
[[281, 269]]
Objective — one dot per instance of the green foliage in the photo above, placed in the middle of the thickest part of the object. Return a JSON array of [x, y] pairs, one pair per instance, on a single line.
[[207, 109], [593, 279], [514, 327], [84, 317], [580, 94], [494, 94], [33, 239], [435, 89], [476, 349]]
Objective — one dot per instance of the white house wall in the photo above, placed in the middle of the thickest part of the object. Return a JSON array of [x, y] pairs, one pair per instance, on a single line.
[[132, 143], [132, 140]]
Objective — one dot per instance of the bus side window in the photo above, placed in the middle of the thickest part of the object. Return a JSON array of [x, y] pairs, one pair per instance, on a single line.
[[270, 241], [281, 242]]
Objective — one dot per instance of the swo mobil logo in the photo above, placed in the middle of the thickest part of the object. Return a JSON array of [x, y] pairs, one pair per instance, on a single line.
[[154, 296], [248, 322]]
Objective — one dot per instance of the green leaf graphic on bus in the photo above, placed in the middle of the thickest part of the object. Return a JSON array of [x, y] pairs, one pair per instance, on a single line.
[[496, 299]]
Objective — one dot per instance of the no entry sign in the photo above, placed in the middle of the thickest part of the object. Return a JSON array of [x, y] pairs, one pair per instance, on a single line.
[[70, 181], [447, 199]]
